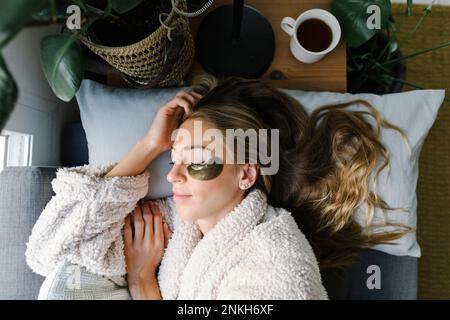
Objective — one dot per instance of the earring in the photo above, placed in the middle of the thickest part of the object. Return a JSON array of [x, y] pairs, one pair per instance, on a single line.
[[244, 186]]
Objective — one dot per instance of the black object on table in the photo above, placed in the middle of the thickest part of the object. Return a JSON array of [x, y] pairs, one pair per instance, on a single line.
[[235, 40]]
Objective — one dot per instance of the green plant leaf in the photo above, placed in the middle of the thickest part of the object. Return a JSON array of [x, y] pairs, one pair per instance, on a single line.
[[352, 16], [8, 93], [15, 13], [122, 6], [59, 12], [61, 60]]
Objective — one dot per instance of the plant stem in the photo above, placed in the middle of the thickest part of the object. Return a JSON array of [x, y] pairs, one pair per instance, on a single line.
[[101, 12], [402, 81], [108, 8], [97, 11], [425, 12], [81, 4], [53, 13], [446, 99], [378, 65], [412, 55], [88, 24], [409, 5], [388, 44], [9, 37], [382, 81]]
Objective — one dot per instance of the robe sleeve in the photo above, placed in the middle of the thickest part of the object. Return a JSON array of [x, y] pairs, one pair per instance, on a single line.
[[83, 222]]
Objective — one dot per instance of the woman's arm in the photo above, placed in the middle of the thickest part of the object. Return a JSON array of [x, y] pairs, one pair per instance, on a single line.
[[146, 291], [158, 138], [84, 219], [137, 159], [146, 234]]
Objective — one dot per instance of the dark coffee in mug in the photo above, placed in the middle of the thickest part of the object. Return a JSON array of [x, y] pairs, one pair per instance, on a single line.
[[314, 35]]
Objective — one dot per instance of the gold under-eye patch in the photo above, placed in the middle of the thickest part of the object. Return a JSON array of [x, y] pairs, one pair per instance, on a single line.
[[205, 171]]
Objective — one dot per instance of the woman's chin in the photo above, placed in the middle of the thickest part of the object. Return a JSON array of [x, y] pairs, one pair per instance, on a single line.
[[184, 213]]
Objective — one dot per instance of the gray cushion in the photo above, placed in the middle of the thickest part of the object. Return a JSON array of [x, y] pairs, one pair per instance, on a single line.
[[398, 278], [24, 192]]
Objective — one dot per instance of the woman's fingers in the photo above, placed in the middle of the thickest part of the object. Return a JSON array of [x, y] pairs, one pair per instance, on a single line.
[[157, 224], [128, 233], [187, 96], [152, 228], [148, 218], [167, 234], [196, 95], [182, 102], [139, 226], [186, 100]]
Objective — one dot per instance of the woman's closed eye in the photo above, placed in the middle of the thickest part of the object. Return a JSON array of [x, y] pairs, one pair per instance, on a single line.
[[204, 170], [197, 166], [194, 165], [190, 164]]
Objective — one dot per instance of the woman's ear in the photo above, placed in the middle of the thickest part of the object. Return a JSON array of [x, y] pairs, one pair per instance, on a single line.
[[248, 176]]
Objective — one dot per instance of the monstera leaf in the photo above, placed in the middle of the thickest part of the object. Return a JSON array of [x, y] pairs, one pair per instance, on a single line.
[[61, 60], [122, 6], [15, 13], [57, 11], [8, 93], [352, 16]]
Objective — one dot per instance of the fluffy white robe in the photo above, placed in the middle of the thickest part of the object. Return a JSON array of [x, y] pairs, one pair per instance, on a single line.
[[255, 252]]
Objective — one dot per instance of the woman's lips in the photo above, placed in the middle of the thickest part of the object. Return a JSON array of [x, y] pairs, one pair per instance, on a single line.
[[178, 196]]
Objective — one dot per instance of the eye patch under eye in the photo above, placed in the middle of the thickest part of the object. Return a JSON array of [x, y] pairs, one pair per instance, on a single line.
[[205, 171]]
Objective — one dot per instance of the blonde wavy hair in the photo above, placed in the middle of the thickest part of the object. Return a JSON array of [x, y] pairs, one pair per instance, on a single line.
[[328, 160]]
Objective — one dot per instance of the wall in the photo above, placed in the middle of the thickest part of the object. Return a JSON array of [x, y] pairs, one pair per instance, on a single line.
[[38, 111]]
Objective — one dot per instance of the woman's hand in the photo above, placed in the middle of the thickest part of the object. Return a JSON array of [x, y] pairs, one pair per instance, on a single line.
[[146, 237], [166, 119], [158, 137]]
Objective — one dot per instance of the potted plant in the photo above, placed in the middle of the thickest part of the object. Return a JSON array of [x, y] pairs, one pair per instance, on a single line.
[[375, 63], [114, 25]]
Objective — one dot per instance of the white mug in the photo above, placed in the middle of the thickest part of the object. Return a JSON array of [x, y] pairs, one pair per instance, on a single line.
[[290, 26]]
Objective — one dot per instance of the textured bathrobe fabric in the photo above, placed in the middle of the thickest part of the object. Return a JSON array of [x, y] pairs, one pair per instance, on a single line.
[[255, 252]]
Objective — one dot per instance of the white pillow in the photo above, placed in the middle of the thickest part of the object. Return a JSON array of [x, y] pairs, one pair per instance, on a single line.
[[414, 112], [115, 118]]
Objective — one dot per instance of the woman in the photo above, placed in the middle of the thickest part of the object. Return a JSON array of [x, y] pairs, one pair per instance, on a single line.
[[230, 231]]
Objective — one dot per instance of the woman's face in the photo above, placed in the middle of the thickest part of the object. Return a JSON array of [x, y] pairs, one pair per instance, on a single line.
[[202, 191]]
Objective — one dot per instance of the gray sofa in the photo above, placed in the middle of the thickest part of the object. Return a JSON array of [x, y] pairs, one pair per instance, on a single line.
[[24, 192]]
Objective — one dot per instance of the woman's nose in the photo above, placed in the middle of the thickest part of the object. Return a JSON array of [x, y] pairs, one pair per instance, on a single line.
[[175, 174]]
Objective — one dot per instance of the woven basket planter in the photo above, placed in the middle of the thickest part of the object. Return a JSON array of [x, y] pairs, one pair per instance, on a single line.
[[142, 63]]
